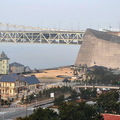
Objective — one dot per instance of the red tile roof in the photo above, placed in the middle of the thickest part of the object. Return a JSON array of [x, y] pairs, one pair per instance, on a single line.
[[111, 117]]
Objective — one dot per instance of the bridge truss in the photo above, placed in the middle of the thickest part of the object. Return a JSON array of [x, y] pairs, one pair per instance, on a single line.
[[40, 35], [50, 37]]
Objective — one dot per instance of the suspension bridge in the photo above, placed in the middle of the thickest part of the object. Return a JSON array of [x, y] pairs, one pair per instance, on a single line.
[[27, 34]]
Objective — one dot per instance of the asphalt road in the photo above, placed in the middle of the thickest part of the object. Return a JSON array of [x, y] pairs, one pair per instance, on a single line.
[[16, 114], [20, 112]]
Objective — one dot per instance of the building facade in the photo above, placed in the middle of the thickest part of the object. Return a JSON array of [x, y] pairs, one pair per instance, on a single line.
[[16, 67], [13, 85], [4, 63]]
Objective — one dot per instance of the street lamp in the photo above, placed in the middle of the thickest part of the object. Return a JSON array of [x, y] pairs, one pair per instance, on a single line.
[[26, 106], [26, 101], [36, 99]]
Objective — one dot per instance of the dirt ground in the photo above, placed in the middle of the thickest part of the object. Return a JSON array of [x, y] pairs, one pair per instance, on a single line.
[[52, 74]]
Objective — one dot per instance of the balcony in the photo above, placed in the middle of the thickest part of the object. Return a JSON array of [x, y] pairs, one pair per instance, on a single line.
[[4, 88]]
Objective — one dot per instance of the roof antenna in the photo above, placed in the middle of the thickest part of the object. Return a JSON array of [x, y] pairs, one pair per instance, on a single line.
[[110, 27], [78, 26], [98, 26], [119, 26]]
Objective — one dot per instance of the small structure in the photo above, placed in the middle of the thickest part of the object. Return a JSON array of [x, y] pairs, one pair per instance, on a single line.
[[66, 82], [4, 63], [27, 69], [16, 67], [52, 95]]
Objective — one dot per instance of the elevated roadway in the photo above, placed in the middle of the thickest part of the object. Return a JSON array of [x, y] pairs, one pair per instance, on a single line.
[[97, 86], [42, 37], [27, 34]]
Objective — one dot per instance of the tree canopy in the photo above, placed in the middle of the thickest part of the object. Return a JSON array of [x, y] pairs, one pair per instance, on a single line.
[[108, 102], [41, 114], [79, 111]]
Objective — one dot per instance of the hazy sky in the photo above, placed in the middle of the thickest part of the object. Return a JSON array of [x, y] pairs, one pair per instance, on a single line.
[[63, 14], [41, 55]]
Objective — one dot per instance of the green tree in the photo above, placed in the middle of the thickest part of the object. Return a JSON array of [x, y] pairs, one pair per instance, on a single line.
[[108, 102], [101, 75], [2, 102], [41, 114], [22, 99], [59, 100], [88, 94], [67, 111], [27, 100], [81, 111], [31, 97], [74, 95]]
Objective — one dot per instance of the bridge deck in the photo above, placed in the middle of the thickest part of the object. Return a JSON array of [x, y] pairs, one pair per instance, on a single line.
[[48, 37]]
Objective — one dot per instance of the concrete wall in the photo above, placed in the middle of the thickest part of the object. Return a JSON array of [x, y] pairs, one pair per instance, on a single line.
[[99, 48]]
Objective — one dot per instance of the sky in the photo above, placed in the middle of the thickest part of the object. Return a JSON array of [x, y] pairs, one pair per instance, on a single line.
[[59, 14], [41, 56], [66, 14]]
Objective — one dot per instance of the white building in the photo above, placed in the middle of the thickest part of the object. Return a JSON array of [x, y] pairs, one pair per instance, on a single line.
[[4, 63]]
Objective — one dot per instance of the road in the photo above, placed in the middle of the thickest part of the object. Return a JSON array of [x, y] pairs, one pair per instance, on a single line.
[[11, 113]]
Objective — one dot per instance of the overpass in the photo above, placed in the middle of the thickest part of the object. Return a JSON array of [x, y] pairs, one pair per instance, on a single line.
[[97, 86], [40, 35]]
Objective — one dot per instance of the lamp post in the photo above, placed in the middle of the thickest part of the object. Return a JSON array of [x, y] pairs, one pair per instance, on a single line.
[[26, 101], [26, 109], [36, 99], [26, 105]]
